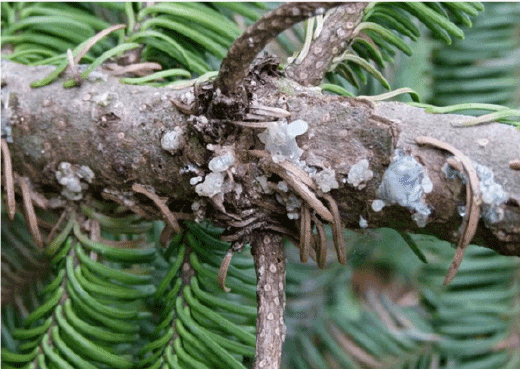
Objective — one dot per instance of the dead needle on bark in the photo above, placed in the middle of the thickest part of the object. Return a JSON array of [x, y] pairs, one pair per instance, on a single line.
[[56, 227], [29, 212], [141, 69], [222, 272], [473, 200], [9, 180], [270, 111], [73, 67], [321, 243], [305, 233], [169, 217], [337, 230], [98, 36], [258, 125]]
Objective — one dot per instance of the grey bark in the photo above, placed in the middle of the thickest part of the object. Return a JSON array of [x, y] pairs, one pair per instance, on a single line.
[[335, 37], [116, 131], [269, 254]]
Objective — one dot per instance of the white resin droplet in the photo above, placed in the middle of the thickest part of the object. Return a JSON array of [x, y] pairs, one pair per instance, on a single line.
[[378, 205], [279, 140], [296, 128], [221, 163]]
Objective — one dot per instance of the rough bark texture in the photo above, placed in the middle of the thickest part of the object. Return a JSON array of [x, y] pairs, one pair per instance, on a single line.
[[230, 98], [116, 130], [244, 50], [333, 40], [269, 254], [493, 145]]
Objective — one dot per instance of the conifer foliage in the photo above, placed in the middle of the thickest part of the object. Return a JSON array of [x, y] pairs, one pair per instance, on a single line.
[[108, 284]]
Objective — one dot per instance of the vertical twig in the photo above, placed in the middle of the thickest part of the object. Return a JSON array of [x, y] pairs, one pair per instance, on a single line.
[[333, 39], [269, 254]]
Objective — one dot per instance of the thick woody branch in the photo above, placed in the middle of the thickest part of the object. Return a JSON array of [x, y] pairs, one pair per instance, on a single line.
[[335, 37], [269, 254], [243, 51], [116, 131]]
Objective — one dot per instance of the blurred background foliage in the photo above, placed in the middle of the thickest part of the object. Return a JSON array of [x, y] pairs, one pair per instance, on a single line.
[[107, 291]]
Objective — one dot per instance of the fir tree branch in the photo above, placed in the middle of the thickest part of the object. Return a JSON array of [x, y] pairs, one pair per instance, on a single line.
[[116, 130]]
